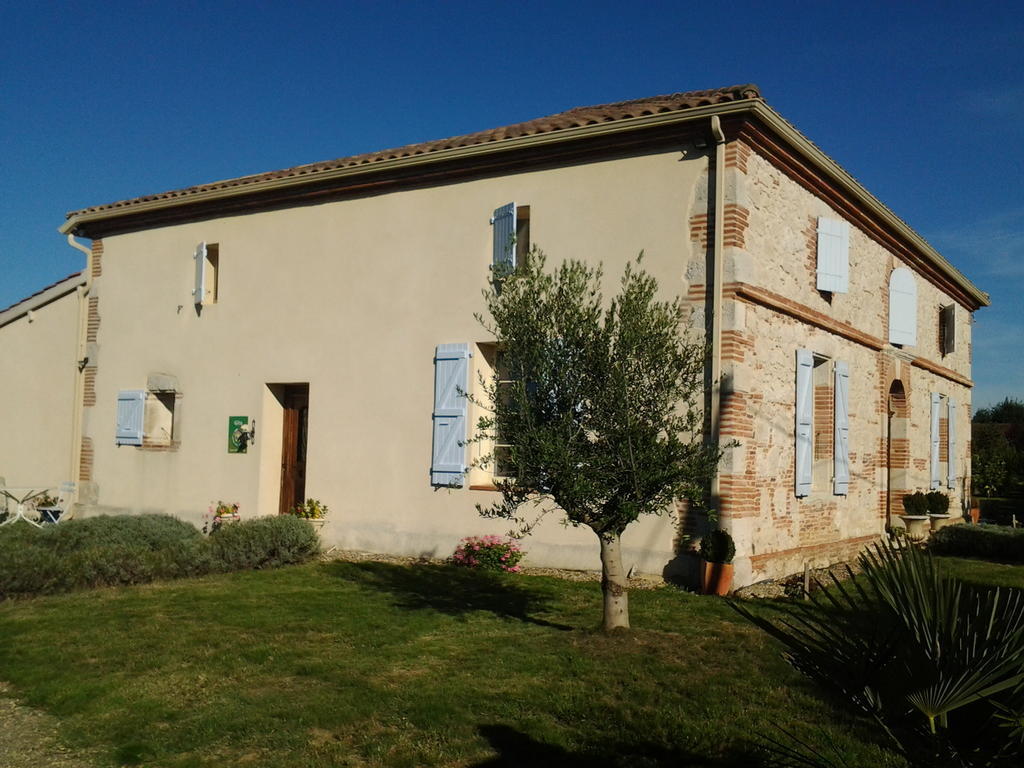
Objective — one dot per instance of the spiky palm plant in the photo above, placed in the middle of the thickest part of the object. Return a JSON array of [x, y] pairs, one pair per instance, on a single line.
[[937, 664]]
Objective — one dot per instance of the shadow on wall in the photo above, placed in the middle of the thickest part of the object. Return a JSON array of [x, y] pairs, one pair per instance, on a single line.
[[449, 590], [518, 750]]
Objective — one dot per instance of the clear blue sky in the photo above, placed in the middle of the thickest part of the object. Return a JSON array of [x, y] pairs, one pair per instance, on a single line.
[[922, 102]]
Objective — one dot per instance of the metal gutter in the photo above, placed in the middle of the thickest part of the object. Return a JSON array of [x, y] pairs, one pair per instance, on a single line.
[[717, 235]]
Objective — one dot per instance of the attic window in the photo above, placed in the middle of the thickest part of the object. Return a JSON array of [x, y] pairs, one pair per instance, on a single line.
[[947, 329], [207, 266], [511, 235]]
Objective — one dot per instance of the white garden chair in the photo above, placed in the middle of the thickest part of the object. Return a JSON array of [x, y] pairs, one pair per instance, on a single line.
[[61, 511]]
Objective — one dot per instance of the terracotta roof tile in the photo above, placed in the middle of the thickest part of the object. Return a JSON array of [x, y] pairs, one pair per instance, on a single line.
[[573, 118]]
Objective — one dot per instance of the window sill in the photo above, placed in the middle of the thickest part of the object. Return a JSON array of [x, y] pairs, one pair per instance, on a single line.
[[160, 447]]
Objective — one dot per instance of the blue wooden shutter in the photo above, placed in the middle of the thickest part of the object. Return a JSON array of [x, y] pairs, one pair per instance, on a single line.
[[833, 255], [841, 444], [199, 291], [131, 410], [902, 307], [936, 406], [804, 421], [504, 221], [451, 378], [951, 443]]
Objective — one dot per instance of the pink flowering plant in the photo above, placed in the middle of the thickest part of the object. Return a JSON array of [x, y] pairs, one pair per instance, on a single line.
[[489, 553]]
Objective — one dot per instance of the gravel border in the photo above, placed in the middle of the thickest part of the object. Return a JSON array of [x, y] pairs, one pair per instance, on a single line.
[[639, 581], [29, 738]]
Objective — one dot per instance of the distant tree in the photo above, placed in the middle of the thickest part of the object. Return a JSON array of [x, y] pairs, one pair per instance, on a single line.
[[598, 406], [1009, 411], [997, 448]]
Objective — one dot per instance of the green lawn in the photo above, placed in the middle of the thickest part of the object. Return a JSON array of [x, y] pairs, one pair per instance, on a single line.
[[369, 664], [983, 572]]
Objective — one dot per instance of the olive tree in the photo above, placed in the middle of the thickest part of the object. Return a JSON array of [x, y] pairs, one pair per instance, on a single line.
[[596, 405]]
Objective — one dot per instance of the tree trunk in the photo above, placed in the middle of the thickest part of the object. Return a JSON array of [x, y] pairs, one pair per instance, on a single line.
[[613, 583]]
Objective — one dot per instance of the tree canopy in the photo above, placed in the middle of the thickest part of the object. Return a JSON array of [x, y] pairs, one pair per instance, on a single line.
[[598, 405]]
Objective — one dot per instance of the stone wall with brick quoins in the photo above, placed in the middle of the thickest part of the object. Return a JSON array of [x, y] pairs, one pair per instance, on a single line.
[[772, 308]]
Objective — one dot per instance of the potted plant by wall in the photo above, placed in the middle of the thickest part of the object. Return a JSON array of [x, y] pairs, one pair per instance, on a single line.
[[915, 515], [938, 509], [974, 512], [312, 511], [716, 552], [220, 513]]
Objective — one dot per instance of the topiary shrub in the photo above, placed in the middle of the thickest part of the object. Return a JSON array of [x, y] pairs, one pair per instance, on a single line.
[[150, 532], [987, 542], [266, 542], [937, 502], [915, 503], [717, 547]]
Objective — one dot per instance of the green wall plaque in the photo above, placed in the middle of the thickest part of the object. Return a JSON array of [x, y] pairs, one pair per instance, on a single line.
[[236, 444]]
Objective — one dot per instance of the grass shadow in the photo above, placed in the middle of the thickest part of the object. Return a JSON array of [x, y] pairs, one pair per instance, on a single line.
[[519, 750], [449, 590]]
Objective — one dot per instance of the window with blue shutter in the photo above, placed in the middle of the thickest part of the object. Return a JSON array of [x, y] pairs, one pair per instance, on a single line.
[[951, 443], [451, 382], [841, 445], [131, 412], [902, 308], [804, 465], [935, 441], [504, 255], [833, 255]]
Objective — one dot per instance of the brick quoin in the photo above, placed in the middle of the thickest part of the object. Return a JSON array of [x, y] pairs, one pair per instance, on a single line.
[[85, 462], [736, 219], [89, 386], [736, 345], [92, 325], [699, 229], [97, 258], [737, 155]]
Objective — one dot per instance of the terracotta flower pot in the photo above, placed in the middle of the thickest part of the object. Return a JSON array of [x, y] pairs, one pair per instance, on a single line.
[[715, 578], [975, 515]]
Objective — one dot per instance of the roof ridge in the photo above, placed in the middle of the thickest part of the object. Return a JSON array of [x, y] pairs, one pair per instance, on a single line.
[[572, 118]]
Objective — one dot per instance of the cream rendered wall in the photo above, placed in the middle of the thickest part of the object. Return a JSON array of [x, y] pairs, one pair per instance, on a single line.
[[777, 532], [37, 391], [352, 297]]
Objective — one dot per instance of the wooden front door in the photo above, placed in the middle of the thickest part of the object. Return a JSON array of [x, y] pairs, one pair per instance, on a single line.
[[293, 446]]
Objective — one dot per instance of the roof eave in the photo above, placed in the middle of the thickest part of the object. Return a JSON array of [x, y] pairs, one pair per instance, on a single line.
[[757, 107], [831, 168], [75, 221], [42, 298]]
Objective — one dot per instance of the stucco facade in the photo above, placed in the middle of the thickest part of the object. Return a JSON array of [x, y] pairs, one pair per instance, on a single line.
[[335, 284], [38, 386]]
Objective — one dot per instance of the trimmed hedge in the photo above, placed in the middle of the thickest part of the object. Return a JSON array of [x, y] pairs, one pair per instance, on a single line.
[[988, 542], [125, 550], [266, 542]]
